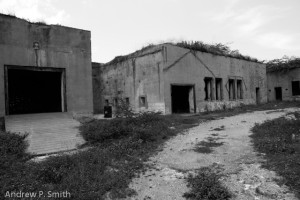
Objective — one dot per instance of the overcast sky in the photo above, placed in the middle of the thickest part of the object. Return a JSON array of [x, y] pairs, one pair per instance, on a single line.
[[265, 29]]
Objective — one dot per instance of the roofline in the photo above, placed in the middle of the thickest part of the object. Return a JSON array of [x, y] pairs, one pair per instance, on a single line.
[[40, 23], [131, 55]]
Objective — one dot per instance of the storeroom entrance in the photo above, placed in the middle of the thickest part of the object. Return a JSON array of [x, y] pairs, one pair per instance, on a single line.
[[34, 90], [278, 93], [183, 98]]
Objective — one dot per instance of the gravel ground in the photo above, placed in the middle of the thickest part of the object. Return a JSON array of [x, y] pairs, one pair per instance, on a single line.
[[243, 175]]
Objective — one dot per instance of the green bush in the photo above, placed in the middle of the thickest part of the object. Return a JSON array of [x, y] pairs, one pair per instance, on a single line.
[[123, 109], [147, 126], [12, 148], [100, 130], [206, 186]]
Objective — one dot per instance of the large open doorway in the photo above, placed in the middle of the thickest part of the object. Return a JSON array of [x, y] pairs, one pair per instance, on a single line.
[[278, 93], [183, 98], [34, 90]]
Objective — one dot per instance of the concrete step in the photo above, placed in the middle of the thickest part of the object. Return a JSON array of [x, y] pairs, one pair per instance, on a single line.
[[48, 132]]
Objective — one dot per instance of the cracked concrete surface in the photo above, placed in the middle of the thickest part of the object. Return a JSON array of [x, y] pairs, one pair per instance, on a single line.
[[243, 175]]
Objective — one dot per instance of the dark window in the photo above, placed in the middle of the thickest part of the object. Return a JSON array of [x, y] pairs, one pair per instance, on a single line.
[[127, 100], [116, 101], [231, 89], [278, 93], [295, 88], [106, 102], [208, 88], [239, 89], [219, 89], [143, 101]]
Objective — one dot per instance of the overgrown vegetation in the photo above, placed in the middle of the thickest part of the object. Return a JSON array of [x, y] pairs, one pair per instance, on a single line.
[[123, 109], [119, 59], [279, 140], [12, 15], [206, 185], [283, 64], [119, 148], [12, 150], [216, 49], [144, 127]]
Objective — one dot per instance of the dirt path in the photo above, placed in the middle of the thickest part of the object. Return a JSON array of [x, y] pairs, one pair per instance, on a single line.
[[244, 177]]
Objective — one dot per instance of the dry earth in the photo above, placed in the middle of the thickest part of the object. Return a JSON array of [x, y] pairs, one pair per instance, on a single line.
[[243, 175]]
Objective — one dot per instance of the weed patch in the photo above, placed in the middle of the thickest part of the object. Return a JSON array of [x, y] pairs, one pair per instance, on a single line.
[[118, 151], [279, 141], [207, 146], [206, 185]]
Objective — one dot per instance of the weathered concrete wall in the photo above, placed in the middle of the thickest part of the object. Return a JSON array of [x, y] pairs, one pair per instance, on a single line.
[[182, 66], [98, 87], [283, 80], [60, 47], [136, 77]]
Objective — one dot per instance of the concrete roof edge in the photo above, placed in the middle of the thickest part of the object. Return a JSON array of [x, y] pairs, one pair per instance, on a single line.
[[40, 23]]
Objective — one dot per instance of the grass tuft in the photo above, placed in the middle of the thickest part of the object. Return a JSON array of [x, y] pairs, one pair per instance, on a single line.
[[206, 185], [207, 146]]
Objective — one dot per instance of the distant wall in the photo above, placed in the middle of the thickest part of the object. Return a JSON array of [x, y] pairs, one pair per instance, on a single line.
[[60, 47], [283, 80], [134, 78], [97, 88], [185, 67]]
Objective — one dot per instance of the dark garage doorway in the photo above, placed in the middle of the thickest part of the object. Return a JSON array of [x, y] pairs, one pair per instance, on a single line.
[[183, 98], [34, 90], [278, 93]]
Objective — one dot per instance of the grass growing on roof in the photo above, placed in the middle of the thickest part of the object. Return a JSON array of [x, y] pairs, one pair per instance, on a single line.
[[283, 64]]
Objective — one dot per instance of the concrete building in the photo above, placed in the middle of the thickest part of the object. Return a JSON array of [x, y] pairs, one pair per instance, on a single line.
[[174, 79], [284, 82], [44, 68]]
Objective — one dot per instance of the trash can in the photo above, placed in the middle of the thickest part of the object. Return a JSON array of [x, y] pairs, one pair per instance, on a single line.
[[107, 112]]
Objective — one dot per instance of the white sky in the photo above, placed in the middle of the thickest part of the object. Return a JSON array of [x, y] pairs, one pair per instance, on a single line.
[[265, 29]]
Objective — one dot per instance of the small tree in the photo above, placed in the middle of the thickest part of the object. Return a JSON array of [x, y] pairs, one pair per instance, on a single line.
[[123, 109]]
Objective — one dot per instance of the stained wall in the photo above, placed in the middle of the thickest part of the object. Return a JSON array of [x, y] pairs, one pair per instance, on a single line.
[[190, 68], [284, 80]]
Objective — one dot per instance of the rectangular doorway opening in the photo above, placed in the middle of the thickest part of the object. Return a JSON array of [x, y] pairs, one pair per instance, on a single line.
[[219, 89], [278, 93], [231, 89], [257, 92], [239, 89], [183, 98], [34, 90]]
